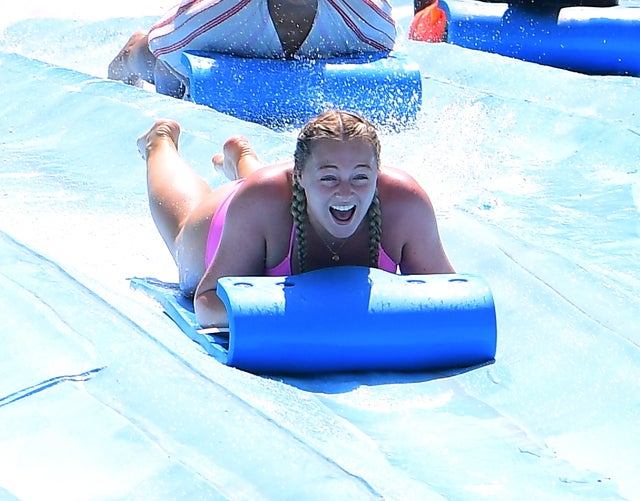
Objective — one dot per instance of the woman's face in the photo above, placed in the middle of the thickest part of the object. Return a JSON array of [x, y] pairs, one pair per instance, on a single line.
[[339, 179]]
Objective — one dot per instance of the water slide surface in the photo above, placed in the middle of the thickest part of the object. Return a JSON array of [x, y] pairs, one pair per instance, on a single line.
[[534, 175]]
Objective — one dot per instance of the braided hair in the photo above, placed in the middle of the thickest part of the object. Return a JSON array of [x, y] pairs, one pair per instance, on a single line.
[[341, 125]]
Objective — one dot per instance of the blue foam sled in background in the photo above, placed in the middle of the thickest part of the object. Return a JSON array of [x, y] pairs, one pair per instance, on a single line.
[[345, 319], [386, 89], [591, 40]]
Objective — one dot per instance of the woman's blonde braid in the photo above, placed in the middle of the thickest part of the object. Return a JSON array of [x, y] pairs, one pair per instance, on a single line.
[[375, 230], [301, 221]]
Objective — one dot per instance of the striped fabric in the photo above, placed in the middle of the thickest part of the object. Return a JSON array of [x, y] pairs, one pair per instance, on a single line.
[[244, 28]]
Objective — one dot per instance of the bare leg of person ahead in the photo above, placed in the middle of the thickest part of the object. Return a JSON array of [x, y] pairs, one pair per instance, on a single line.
[[134, 62]]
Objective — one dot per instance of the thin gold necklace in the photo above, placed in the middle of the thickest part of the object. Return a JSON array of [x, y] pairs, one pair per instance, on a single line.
[[335, 257]]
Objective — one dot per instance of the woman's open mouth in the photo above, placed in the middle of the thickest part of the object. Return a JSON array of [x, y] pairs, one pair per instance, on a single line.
[[342, 213]]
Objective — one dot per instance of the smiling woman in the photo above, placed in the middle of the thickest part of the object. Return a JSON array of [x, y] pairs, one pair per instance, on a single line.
[[334, 206]]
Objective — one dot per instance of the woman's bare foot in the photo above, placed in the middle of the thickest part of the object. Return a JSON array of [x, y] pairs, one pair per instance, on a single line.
[[162, 130], [125, 67], [237, 160]]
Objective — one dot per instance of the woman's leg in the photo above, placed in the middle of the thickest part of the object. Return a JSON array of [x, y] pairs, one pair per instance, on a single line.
[[134, 62], [174, 188], [181, 202], [238, 160]]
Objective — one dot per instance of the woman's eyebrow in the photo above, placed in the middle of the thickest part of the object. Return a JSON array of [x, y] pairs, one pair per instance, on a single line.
[[334, 166]]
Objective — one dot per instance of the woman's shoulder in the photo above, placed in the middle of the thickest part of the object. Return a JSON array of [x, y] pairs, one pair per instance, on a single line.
[[272, 175], [268, 188], [397, 184], [263, 206], [269, 181], [403, 201]]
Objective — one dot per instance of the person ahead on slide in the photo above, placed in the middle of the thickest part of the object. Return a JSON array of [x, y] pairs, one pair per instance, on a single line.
[[334, 205], [314, 29]]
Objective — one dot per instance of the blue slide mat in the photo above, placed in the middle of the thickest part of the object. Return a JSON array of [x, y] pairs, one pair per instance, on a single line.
[[533, 172]]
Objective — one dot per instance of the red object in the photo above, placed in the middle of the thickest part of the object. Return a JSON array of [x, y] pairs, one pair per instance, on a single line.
[[429, 24]]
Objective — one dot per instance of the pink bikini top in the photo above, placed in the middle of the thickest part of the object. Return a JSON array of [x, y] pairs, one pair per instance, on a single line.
[[284, 268], [281, 269]]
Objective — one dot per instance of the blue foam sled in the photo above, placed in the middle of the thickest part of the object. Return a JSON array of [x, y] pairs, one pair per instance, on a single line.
[[592, 40], [345, 319], [387, 89]]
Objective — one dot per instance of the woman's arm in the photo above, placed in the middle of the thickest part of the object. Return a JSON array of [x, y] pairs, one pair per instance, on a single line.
[[410, 219], [255, 236], [210, 311]]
